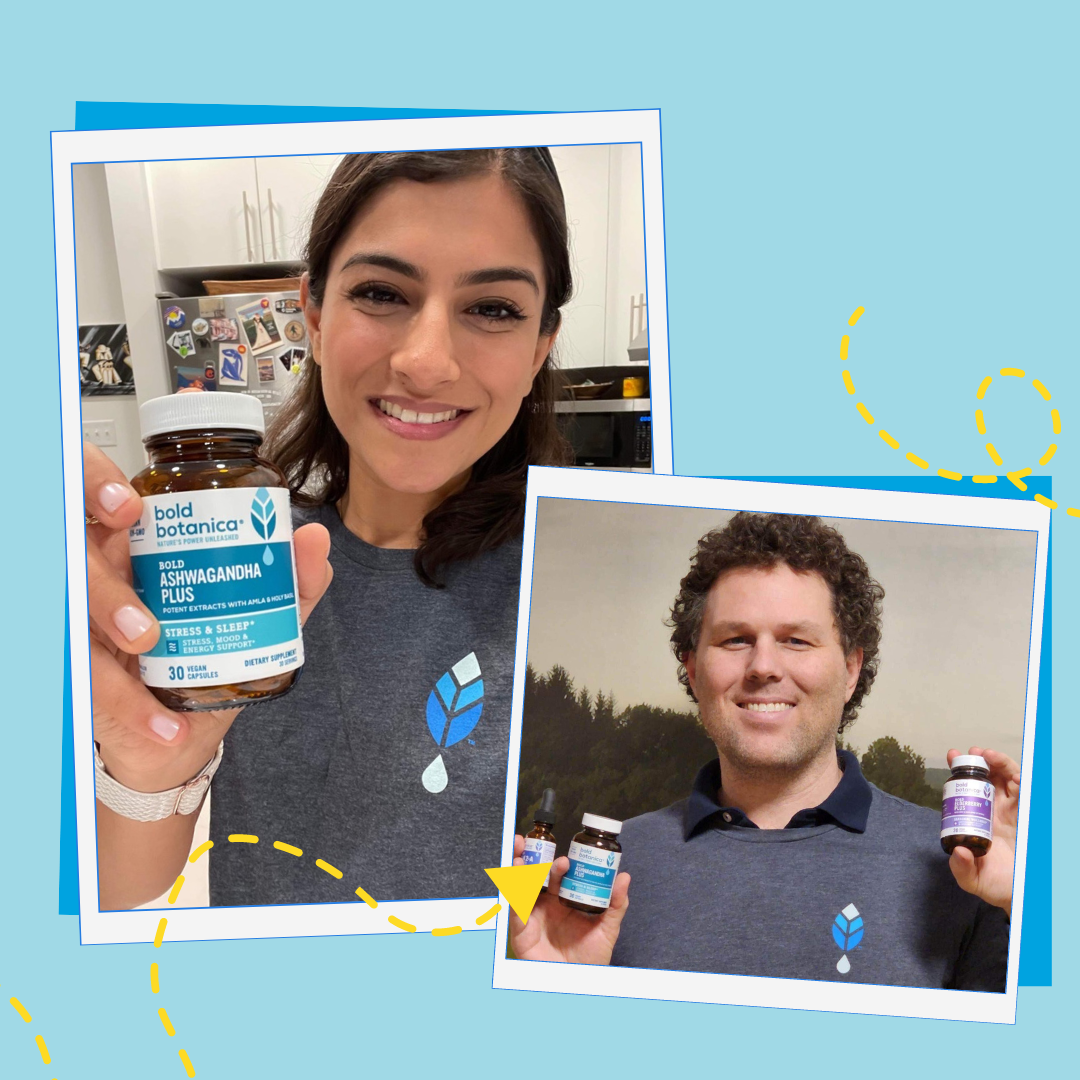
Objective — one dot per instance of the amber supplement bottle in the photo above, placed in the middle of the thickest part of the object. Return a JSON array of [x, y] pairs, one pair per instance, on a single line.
[[540, 840], [212, 556], [967, 813], [594, 861]]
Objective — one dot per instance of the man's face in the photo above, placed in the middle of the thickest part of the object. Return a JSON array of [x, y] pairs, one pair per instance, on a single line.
[[769, 673]]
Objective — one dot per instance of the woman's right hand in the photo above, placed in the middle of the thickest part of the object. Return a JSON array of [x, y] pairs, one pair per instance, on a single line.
[[144, 745], [556, 932]]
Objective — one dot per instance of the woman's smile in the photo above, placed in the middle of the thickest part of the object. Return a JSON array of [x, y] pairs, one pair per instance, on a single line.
[[428, 337]]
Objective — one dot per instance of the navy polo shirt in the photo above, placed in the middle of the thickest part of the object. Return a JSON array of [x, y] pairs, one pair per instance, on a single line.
[[847, 806], [855, 890]]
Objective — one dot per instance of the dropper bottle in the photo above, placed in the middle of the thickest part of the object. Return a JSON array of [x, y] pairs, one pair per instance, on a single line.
[[540, 840]]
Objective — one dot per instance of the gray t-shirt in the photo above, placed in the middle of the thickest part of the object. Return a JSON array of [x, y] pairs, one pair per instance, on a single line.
[[388, 758], [822, 902]]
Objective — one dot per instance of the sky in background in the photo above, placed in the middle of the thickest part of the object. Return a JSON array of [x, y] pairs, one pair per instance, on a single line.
[[957, 617]]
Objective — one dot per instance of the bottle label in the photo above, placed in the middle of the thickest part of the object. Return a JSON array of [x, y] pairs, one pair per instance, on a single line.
[[591, 875], [538, 851], [968, 809], [216, 568]]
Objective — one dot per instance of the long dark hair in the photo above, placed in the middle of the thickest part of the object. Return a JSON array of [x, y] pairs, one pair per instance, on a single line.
[[306, 444]]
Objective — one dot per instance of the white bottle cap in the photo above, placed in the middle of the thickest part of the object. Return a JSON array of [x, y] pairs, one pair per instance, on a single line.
[[604, 824], [205, 409], [962, 761]]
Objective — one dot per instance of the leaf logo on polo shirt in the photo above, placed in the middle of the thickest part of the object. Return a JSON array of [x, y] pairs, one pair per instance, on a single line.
[[453, 710], [847, 932]]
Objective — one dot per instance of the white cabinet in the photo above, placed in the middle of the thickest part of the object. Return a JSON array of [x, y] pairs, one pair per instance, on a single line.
[[232, 211], [289, 187], [205, 213]]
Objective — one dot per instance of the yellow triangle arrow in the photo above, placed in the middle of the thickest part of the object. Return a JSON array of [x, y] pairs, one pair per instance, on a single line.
[[520, 885]]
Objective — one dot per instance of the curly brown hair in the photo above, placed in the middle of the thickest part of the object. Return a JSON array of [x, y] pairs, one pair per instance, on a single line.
[[807, 545]]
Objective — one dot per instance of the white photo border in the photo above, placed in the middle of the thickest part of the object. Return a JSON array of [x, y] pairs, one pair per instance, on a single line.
[[71, 148], [826, 502]]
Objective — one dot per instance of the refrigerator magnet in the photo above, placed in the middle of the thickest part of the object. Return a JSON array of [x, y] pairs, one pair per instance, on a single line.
[[181, 342], [175, 317], [259, 327], [266, 368], [232, 366], [287, 307], [294, 330], [224, 330], [200, 327]]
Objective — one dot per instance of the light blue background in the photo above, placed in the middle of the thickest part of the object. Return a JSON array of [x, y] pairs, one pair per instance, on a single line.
[[915, 159]]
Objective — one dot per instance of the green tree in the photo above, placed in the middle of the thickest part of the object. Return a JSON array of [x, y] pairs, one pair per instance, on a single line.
[[899, 771]]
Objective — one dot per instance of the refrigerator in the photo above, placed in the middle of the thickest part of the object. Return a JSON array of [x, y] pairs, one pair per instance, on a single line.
[[246, 343]]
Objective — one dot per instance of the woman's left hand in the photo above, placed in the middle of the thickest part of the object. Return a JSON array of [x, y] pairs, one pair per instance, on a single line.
[[991, 877]]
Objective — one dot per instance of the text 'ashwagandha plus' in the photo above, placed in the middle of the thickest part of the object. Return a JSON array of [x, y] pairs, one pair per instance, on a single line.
[[212, 555], [594, 861]]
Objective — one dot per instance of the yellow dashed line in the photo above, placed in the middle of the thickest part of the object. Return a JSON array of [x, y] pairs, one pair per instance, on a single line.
[[1042, 389], [188, 1067], [1015, 372], [1073, 512], [242, 838], [489, 914], [1018, 478], [980, 423], [333, 871], [981, 392], [200, 850], [984, 479], [370, 901], [445, 931], [288, 848], [889, 439], [401, 924], [159, 937], [995, 456], [848, 384], [945, 474], [1045, 501], [166, 1023], [864, 412], [843, 346], [916, 460], [856, 315], [178, 884], [155, 986], [1056, 417], [43, 1050], [1050, 452], [18, 1006]]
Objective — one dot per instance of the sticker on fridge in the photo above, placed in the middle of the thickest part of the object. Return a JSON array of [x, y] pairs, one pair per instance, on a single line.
[[232, 366], [198, 378], [182, 342], [223, 329], [266, 368], [259, 327]]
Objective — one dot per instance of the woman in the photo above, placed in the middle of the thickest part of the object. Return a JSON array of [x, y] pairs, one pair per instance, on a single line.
[[432, 299]]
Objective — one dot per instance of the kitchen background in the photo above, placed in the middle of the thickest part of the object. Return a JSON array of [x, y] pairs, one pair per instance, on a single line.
[[144, 229]]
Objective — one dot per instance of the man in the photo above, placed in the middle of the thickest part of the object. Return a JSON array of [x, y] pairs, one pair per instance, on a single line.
[[784, 861]]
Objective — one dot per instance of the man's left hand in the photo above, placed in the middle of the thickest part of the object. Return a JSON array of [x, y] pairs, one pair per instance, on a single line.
[[991, 877]]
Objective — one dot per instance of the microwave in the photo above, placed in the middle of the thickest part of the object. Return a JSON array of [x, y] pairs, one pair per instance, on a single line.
[[613, 434]]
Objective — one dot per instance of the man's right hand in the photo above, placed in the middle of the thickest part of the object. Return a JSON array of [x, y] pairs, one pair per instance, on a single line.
[[556, 932], [144, 745]]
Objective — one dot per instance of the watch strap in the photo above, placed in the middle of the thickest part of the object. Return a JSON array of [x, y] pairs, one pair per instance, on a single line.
[[153, 805]]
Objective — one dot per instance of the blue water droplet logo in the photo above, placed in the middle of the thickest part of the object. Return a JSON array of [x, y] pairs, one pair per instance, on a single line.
[[268, 557]]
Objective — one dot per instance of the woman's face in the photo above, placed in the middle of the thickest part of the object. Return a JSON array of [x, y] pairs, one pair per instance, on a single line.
[[428, 336]]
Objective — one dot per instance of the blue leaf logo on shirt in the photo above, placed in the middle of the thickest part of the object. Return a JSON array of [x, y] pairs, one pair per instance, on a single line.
[[847, 932], [453, 710]]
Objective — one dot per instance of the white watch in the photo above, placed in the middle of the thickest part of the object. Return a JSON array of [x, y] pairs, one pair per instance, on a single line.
[[153, 805]]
